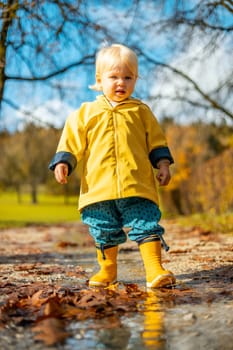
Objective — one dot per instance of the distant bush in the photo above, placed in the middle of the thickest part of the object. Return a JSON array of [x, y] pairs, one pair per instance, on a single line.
[[209, 187]]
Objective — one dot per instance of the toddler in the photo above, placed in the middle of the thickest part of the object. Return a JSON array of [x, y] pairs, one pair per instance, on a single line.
[[119, 141]]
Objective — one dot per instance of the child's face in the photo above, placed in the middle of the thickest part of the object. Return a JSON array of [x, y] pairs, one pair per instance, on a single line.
[[118, 83]]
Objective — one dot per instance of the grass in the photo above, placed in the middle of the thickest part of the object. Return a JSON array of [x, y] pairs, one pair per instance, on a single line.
[[50, 209], [222, 223]]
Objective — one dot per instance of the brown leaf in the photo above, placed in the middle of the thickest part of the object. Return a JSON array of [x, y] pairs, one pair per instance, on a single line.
[[35, 300], [180, 251], [50, 331], [24, 267], [64, 244], [203, 258], [77, 272], [91, 299], [53, 308], [48, 301]]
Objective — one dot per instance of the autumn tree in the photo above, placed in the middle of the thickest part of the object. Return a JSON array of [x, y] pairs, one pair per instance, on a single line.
[[201, 176], [25, 158], [12, 163], [38, 144]]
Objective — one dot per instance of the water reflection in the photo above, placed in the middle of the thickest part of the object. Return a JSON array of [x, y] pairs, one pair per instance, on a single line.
[[117, 338], [143, 330], [153, 334]]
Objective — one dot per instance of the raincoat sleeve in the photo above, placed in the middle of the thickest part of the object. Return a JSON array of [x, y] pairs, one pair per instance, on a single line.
[[156, 140], [72, 142]]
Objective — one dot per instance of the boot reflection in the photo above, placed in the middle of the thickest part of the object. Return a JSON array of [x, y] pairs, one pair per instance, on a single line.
[[153, 334]]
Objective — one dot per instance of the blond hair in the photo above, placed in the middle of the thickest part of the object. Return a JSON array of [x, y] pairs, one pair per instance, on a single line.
[[109, 57]]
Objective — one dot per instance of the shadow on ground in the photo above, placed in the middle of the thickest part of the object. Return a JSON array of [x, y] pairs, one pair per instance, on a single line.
[[48, 268]]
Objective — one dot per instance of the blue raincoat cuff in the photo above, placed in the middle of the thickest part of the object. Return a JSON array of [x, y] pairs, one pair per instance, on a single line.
[[64, 157], [160, 153]]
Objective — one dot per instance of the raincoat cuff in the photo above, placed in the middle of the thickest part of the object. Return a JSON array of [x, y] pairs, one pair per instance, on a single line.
[[63, 157], [160, 153]]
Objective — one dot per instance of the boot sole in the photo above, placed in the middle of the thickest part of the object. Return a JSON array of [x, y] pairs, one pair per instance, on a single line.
[[101, 284], [162, 281]]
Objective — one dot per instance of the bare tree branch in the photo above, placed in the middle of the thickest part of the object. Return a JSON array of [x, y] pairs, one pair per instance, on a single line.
[[45, 39], [213, 103], [27, 113], [89, 59]]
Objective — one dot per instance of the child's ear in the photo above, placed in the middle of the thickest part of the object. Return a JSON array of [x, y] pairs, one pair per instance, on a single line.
[[98, 81]]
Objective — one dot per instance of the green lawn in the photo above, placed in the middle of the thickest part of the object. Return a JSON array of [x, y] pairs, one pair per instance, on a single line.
[[222, 223], [50, 209]]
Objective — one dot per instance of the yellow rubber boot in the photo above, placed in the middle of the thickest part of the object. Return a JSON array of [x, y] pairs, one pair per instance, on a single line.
[[108, 268], [156, 275]]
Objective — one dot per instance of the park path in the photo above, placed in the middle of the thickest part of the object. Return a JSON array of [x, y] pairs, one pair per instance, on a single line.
[[39, 261]]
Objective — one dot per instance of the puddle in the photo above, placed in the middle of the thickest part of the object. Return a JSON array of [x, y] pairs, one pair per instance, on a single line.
[[186, 327], [133, 333], [196, 315], [126, 336]]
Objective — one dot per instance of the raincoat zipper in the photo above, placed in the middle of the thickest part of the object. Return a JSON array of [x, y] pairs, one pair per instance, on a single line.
[[116, 153]]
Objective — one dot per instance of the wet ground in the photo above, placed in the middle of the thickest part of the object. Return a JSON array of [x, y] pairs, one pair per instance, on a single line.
[[196, 314]]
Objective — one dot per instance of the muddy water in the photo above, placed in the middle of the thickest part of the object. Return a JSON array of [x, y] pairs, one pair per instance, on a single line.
[[196, 315]]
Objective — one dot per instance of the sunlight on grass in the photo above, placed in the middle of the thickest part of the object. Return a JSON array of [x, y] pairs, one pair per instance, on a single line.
[[222, 223], [50, 209]]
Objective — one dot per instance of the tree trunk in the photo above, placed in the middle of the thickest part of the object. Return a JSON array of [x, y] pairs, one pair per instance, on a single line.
[[18, 191], [8, 14], [34, 194]]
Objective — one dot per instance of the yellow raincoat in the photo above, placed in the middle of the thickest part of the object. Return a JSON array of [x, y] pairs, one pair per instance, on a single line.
[[118, 146]]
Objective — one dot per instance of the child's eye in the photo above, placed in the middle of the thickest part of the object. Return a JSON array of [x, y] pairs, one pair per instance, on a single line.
[[112, 77], [128, 78]]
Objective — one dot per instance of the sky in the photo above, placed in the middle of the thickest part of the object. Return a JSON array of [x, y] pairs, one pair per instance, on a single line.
[[210, 73], [125, 25]]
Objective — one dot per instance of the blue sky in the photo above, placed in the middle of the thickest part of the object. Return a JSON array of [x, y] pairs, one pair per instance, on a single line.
[[129, 27]]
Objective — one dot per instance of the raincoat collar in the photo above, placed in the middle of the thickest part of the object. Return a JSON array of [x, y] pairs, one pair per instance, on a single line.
[[102, 99]]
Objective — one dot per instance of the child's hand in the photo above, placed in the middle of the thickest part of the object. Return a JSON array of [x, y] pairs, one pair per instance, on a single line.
[[163, 174], [61, 173]]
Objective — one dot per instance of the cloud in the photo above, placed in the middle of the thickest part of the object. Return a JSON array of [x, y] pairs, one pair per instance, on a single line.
[[211, 73], [52, 112]]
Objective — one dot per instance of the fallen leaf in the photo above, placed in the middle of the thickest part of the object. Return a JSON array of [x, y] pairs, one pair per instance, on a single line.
[[50, 331], [180, 251], [203, 258], [25, 267], [64, 244]]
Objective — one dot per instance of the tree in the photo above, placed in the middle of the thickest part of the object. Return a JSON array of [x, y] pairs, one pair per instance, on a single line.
[[42, 40], [201, 33], [39, 146], [25, 158], [45, 44], [12, 163], [201, 178]]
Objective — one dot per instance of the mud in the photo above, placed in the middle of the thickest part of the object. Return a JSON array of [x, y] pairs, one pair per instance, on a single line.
[[196, 314]]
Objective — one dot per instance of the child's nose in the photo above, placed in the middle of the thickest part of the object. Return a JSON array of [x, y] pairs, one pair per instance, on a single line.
[[120, 81]]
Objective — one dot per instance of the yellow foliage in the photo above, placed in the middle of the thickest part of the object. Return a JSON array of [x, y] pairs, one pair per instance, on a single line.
[[200, 181]]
